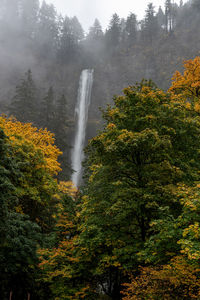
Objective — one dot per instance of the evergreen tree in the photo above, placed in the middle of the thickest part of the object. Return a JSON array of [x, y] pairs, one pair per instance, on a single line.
[[196, 5], [150, 25], [70, 37], [95, 31], [48, 110], [113, 33], [94, 43], [131, 29], [170, 15], [11, 10], [161, 17], [77, 30], [61, 126], [29, 17], [47, 31], [24, 104]]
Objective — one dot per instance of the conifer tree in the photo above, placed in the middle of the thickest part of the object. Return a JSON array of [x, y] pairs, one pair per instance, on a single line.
[[61, 126], [150, 24], [48, 110], [95, 31], [113, 33], [47, 31], [131, 29], [29, 17], [71, 35], [24, 103]]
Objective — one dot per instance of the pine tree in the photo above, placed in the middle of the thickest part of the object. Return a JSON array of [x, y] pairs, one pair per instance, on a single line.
[[61, 126], [95, 31], [150, 25], [24, 103], [70, 37], [161, 17], [131, 29], [47, 31], [170, 15], [29, 17], [48, 110], [113, 33]]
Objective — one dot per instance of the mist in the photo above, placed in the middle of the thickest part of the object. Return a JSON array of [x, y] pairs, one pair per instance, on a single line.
[[99, 71], [55, 47], [88, 10]]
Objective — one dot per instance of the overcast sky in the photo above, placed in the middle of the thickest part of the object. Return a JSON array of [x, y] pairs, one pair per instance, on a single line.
[[88, 10]]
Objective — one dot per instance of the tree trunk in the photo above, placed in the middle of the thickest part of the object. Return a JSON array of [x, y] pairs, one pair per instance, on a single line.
[[10, 297]]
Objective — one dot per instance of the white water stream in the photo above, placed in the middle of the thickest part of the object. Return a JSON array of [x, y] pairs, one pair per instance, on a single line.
[[81, 114]]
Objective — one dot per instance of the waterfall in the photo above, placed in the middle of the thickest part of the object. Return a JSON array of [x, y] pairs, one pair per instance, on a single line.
[[81, 114]]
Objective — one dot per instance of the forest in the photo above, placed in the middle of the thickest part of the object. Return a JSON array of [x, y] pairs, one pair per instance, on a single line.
[[131, 230]]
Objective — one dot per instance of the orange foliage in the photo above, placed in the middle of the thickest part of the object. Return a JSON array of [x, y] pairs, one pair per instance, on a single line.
[[179, 279], [187, 85], [67, 187], [25, 135]]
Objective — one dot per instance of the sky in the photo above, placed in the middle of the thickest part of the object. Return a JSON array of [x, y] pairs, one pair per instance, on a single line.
[[87, 10]]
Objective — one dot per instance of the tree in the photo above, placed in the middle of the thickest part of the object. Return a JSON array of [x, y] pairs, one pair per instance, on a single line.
[[95, 32], [11, 11], [177, 280], [61, 129], [150, 24], [7, 166], [196, 5], [71, 35], [170, 15], [131, 29], [77, 30], [113, 33], [173, 249], [29, 17], [47, 32], [48, 110], [186, 86], [18, 256], [94, 42], [161, 17], [60, 265], [24, 104], [19, 237], [36, 154], [135, 166], [28, 205]]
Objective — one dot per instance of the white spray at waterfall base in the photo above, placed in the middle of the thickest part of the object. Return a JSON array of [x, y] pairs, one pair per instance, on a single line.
[[81, 115]]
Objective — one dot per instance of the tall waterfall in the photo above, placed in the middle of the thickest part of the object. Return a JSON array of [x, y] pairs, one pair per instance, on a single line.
[[81, 114]]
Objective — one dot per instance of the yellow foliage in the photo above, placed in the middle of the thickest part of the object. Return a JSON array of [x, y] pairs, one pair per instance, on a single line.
[[178, 278], [67, 187], [111, 126], [38, 140], [187, 85]]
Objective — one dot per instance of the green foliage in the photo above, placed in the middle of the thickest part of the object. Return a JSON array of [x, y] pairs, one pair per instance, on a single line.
[[19, 236], [149, 145], [8, 170], [61, 265], [28, 161], [24, 103]]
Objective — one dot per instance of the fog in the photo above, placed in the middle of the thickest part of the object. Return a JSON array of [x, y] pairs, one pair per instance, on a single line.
[[121, 50], [88, 10]]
